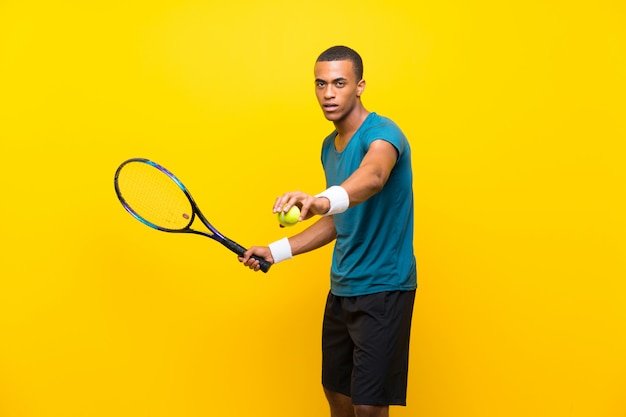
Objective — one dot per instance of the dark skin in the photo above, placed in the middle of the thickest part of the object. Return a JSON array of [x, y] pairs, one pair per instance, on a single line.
[[338, 92]]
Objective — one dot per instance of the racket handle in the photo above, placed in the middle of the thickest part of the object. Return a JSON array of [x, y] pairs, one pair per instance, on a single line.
[[240, 250]]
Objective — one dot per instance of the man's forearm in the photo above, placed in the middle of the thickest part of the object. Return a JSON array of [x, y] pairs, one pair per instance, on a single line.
[[319, 234]]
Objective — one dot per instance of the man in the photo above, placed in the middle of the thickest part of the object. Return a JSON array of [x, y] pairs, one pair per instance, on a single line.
[[368, 211]]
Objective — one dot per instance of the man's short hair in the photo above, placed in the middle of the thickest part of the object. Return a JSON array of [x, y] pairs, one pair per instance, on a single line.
[[343, 53]]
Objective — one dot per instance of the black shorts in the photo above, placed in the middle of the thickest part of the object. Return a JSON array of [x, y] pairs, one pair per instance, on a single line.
[[365, 346]]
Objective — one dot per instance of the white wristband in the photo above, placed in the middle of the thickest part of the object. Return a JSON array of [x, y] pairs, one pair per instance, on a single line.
[[281, 250], [339, 199]]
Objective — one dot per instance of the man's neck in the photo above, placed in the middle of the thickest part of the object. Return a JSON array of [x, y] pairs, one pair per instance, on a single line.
[[351, 124], [347, 127]]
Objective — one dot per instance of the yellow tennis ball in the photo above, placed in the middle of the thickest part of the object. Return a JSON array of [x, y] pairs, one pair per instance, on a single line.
[[290, 218]]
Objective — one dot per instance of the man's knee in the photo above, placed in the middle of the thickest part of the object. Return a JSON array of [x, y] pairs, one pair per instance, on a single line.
[[371, 411], [340, 405]]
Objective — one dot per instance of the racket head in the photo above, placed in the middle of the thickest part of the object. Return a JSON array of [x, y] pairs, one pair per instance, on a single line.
[[154, 196]]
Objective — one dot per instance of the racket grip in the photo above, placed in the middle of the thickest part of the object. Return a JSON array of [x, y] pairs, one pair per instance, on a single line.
[[240, 250]]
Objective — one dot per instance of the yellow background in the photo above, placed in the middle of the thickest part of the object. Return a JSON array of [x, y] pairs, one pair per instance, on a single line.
[[516, 116]]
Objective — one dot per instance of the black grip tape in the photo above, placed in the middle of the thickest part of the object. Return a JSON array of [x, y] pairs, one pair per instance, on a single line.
[[240, 250]]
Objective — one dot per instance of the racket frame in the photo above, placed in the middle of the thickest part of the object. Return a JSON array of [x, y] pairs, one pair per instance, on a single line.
[[195, 211]]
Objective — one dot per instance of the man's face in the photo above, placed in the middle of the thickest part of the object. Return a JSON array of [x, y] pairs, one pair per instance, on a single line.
[[337, 88]]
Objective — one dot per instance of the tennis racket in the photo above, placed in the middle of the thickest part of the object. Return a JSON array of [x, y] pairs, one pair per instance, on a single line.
[[155, 197]]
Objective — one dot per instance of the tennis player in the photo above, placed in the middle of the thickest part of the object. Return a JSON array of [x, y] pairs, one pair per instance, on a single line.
[[367, 210]]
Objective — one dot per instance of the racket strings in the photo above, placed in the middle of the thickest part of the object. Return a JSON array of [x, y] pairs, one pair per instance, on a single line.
[[154, 196]]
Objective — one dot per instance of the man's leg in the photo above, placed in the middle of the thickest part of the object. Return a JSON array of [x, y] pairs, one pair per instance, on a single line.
[[340, 405], [337, 351], [380, 327], [371, 410], [342, 322]]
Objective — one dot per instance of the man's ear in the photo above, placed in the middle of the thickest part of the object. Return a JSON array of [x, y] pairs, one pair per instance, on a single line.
[[360, 88]]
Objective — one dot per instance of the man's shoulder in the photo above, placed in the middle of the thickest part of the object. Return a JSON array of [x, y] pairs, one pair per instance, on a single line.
[[381, 127], [377, 122]]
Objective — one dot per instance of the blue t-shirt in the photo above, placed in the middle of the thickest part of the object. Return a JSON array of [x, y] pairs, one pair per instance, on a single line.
[[374, 247]]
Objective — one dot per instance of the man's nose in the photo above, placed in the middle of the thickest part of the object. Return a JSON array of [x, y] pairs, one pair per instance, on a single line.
[[329, 91]]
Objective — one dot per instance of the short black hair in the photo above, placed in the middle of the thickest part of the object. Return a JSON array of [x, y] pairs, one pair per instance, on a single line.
[[343, 53]]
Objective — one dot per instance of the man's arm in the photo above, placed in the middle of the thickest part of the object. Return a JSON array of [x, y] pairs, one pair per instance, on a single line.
[[367, 180], [373, 173], [317, 235]]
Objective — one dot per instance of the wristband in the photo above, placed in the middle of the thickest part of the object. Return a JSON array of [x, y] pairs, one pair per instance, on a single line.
[[339, 199], [281, 250]]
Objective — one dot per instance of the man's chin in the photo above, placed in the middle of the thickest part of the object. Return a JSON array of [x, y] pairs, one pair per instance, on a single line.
[[332, 117]]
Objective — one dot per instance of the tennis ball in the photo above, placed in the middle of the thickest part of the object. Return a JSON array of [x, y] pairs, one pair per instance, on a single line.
[[290, 218]]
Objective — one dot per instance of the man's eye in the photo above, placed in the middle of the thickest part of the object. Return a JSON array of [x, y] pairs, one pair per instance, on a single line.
[[340, 83], [320, 84]]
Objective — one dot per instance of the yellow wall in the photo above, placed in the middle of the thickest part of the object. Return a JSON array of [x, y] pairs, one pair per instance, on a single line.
[[516, 113]]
